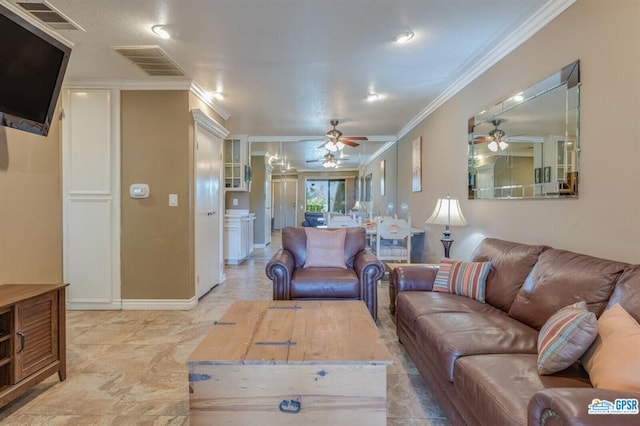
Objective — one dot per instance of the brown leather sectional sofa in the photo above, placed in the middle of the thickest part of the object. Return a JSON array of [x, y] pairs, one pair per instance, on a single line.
[[480, 358]]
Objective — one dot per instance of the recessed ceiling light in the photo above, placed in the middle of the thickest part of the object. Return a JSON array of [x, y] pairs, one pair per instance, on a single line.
[[372, 97], [404, 36], [161, 31]]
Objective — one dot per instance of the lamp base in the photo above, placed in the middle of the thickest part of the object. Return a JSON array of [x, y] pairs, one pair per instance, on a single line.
[[446, 242]]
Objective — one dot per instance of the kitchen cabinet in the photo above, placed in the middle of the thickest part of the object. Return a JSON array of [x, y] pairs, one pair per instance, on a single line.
[[238, 238], [237, 170]]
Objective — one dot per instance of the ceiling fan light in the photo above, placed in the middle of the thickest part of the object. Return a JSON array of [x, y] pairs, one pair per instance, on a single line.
[[340, 146], [332, 146], [493, 146], [503, 145]]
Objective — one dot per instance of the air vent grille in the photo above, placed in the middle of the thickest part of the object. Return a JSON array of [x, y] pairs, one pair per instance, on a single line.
[[151, 59], [49, 16]]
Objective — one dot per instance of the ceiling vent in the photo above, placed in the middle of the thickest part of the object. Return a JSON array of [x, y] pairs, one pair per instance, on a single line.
[[152, 59], [49, 16]]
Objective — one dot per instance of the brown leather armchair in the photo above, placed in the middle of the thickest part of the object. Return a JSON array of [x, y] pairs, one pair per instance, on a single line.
[[358, 281]]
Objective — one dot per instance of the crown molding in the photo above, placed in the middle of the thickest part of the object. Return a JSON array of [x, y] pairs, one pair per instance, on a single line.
[[209, 123], [173, 84], [201, 94], [287, 139], [535, 23]]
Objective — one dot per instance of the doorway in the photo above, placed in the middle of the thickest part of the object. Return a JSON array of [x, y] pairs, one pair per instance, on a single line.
[[208, 219], [284, 203]]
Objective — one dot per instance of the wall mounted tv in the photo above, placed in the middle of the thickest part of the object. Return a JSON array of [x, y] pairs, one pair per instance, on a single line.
[[32, 66]]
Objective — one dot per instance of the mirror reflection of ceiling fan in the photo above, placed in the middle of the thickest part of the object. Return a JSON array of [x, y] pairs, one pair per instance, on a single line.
[[329, 161], [496, 140], [336, 141]]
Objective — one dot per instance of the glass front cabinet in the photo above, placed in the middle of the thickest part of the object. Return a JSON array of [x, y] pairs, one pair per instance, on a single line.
[[237, 171]]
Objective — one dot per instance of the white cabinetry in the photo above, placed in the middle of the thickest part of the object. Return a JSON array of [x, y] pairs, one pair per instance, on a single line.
[[237, 170], [238, 241]]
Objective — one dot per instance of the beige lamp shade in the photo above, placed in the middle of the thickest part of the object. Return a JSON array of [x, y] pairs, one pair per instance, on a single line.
[[447, 212]]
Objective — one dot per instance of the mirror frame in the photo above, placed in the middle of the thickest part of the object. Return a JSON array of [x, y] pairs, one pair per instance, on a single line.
[[554, 173]]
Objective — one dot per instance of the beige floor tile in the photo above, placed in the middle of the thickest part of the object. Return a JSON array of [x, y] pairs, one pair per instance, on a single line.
[[129, 367]]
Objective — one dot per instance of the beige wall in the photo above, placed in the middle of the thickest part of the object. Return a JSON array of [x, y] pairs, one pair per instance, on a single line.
[[156, 242], [379, 202], [603, 221], [30, 206]]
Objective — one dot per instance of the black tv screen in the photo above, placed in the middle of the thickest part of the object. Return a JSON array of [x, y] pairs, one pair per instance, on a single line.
[[32, 66]]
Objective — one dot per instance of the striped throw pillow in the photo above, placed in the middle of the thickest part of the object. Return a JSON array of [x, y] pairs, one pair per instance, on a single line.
[[462, 278], [441, 282], [565, 337]]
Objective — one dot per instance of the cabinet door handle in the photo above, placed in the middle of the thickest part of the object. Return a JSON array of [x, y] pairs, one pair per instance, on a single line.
[[21, 336]]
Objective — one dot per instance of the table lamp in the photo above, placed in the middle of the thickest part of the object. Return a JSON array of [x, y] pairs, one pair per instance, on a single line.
[[448, 213]]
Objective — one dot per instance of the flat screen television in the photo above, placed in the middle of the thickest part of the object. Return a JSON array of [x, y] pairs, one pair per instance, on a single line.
[[32, 66]]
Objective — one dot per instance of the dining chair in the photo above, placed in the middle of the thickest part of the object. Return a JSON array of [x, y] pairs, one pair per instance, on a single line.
[[393, 239]]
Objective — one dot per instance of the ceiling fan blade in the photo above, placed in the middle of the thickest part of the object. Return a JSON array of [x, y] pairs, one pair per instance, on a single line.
[[356, 138], [311, 140], [313, 161], [349, 143]]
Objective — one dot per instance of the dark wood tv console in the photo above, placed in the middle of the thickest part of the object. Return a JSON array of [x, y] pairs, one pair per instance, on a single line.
[[32, 336]]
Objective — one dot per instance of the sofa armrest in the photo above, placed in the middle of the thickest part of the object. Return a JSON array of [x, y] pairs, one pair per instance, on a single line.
[[416, 277], [569, 406], [369, 270], [279, 270]]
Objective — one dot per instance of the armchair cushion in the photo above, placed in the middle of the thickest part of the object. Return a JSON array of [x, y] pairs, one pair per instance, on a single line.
[[325, 248], [324, 283]]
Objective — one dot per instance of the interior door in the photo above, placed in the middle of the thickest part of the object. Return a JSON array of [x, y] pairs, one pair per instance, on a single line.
[[284, 202], [208, 253], [268, 214]]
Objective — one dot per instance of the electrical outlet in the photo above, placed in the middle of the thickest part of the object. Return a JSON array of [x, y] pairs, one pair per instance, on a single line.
[[234, 201]]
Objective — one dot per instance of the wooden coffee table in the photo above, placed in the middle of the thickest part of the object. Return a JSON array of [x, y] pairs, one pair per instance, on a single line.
[[290, 362]]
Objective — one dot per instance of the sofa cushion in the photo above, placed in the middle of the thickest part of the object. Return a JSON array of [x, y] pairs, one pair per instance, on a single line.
[[511, 262], [451, 331], [329, 283], [499, 387], [565, 337], [560, 278], [325, 248], [613, 362]]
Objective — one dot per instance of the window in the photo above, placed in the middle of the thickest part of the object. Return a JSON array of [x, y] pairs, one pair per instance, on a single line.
[[325, 195]]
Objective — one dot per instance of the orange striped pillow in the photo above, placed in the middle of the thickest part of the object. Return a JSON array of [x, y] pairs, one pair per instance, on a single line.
[[565, 337], [462, 278]]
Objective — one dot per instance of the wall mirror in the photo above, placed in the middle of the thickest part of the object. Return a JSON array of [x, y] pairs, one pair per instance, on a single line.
[[528, 145]]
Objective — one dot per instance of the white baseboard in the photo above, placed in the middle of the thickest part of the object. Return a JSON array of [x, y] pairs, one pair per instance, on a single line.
[[159, 304], [94, 306]]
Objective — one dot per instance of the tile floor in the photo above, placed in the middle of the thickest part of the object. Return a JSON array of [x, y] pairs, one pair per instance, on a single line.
[[129, 367]]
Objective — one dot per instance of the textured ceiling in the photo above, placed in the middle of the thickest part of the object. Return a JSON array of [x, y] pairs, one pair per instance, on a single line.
[[286, 67]]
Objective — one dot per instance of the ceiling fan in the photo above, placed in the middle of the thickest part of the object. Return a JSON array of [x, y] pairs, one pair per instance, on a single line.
[[336, 142]]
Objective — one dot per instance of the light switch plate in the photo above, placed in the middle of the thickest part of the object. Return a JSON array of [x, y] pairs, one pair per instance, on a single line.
[[173, 200]]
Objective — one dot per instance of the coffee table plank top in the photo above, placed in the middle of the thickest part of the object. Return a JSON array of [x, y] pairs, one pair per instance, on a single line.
[[294, 332]]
